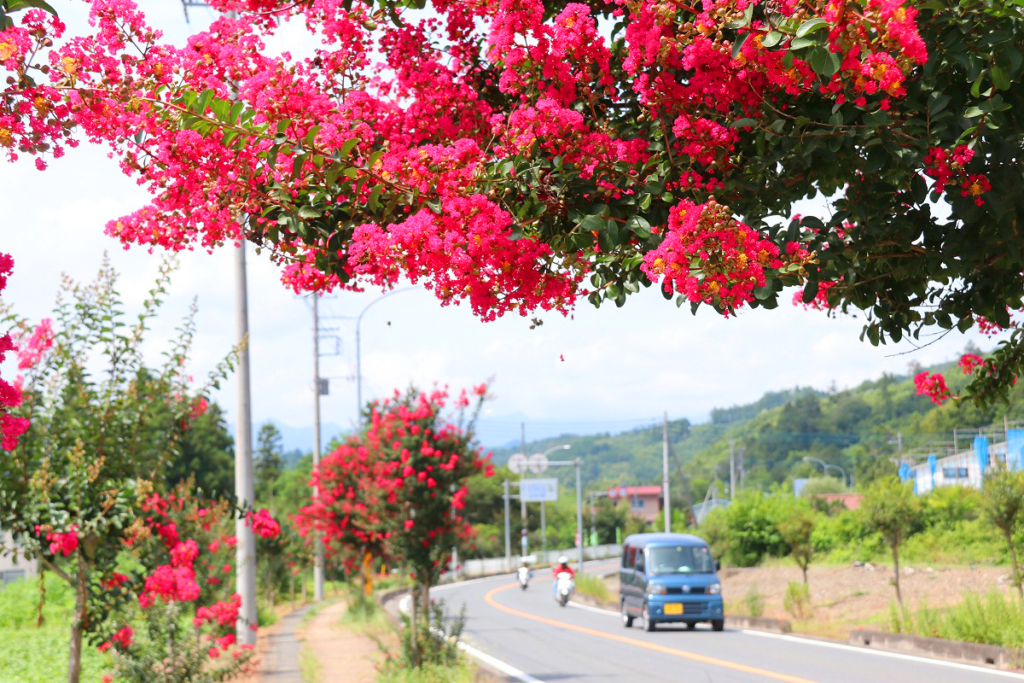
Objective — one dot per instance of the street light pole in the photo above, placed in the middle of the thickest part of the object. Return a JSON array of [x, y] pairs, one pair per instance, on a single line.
[[825, 467], [359, 351]]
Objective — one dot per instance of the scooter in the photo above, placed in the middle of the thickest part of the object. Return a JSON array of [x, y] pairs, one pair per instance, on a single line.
[[524, 577], [565, 586]]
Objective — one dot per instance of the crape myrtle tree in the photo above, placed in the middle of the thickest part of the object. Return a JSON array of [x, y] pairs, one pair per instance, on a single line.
[[84, 489], [891, 509], [523, 155], [396, 490]]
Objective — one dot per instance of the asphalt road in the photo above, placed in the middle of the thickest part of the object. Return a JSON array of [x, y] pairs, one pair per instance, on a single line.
[[539, 642]]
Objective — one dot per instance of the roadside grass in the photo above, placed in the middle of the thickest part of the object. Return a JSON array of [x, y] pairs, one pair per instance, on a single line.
[[594, 587], [364, 616], [31, 654], [462, 671], [993, 618], [310, 668]]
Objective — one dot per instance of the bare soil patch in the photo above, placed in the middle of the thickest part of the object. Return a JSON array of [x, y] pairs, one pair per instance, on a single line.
[[845, 597], [344, 655]]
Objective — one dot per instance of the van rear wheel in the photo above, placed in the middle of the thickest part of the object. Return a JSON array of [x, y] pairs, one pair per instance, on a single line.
[[627, 620]]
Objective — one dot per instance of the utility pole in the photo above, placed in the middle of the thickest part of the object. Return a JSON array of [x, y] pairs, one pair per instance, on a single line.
[[245, 550], [579, 510], [732, 469], [318, 543], [664, 467], [543, 534], [522, 498], [508, 532]]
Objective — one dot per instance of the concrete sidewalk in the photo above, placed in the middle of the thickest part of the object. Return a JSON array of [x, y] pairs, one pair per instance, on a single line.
[[283, 646]]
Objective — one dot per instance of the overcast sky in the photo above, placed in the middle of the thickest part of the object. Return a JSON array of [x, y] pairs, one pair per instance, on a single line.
[[602, 370]]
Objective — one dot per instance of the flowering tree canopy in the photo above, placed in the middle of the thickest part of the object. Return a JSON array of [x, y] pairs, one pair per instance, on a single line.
[[522, 155], [397, 489]]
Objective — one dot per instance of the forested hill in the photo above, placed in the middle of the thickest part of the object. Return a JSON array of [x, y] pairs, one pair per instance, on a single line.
[[856, 429]]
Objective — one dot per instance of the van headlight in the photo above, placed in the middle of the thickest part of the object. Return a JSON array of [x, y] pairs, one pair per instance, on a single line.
[[657, 589], [715, 589]]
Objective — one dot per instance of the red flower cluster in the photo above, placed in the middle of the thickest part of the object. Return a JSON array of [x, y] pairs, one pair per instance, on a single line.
[[969, 362], [263, 524], [63, 543], [710, 257], [933, 386], [948, 168], [11, 427]]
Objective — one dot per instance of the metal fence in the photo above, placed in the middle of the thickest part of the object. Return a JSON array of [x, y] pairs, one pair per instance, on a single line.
[[497, 565]]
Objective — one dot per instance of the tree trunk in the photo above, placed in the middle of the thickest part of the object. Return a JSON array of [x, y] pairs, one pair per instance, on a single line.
[[1016, 567], [896, 571], [291, 589], [803, 568], [303, 589], [77, 626]]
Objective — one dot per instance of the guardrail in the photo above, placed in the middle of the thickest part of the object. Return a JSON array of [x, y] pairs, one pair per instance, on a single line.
[[497, 565]]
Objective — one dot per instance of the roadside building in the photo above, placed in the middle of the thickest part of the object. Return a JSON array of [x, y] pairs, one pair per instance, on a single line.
[[12, 565], [955, 466], [645, 502]]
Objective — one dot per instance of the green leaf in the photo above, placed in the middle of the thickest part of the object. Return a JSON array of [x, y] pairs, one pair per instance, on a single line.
[[639, 226], [973, 112], [308, 212], [738, 45], [824, 62], [772, 39], [1000, 79], [18, 5], [809, 26], [743, 123], [802, 43], [347, 147], [203, 101], [374, 198]]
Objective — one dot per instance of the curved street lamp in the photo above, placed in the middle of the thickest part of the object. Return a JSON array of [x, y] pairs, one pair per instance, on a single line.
[[825, 467]]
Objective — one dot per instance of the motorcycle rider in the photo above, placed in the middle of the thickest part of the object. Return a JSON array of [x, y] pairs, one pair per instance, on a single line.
[[562, 566], [525, 573]]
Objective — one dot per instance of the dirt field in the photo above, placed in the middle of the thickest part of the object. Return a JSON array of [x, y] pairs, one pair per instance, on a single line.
[[845, 597]]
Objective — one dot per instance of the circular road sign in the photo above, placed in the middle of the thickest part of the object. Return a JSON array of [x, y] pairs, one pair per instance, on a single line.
[[538, 463], [518, 463]]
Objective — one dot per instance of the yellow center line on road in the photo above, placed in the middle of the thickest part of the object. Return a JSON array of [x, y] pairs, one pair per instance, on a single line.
[[703, 659]]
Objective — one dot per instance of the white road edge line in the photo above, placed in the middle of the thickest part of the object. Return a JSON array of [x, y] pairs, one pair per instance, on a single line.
[[501, 666], [404, 606], [841, 646]]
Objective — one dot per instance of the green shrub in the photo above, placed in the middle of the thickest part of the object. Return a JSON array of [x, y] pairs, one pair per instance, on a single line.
[[994, 618], [460, 671], [594, 586], [797, 600], [754, 601]]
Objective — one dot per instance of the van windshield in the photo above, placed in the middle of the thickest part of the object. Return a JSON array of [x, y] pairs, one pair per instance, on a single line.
[[680, 559]]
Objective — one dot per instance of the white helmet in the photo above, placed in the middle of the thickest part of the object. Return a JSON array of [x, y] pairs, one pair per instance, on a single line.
[[563, 560]]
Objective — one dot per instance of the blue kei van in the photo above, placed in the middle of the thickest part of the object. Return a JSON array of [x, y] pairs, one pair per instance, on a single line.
[[667, 578]]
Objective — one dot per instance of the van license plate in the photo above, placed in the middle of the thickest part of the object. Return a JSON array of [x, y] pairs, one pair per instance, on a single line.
[[674, 608]]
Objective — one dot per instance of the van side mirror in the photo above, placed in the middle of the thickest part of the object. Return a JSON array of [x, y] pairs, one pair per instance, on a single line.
[[718, 565]]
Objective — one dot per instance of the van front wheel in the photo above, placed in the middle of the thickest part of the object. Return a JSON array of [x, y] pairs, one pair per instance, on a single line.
[[646, 616], [718, 625], [627, 620]]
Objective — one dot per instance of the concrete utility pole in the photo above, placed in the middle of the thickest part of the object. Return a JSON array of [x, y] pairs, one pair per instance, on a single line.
[[245, 550], [732, 469], [579, 510], [664, 467], [318, 543], [508, 532], [523, 540]]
